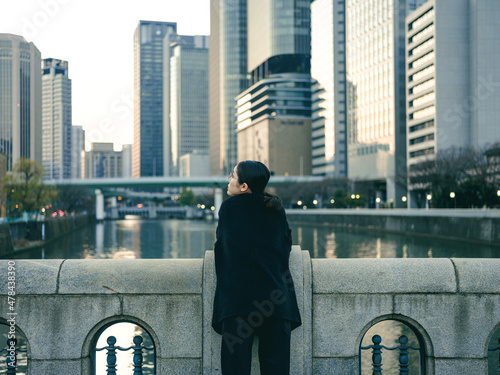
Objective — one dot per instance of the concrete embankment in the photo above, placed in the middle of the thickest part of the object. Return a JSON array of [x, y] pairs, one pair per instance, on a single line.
[[29, 234], [470, 225]]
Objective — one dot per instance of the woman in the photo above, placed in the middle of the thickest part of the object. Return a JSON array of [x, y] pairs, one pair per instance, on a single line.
[[254, 293]]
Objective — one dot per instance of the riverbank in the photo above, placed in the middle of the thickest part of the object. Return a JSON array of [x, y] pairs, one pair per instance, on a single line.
[[27, 235], [480, 226]]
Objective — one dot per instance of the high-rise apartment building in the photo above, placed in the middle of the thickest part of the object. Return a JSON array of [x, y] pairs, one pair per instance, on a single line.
[[20, 100], [77, 151], [228, 78], [375, 89], [151, 131], [56, 119], [329, 146], [189, 99], [274, 113], [453, 75]]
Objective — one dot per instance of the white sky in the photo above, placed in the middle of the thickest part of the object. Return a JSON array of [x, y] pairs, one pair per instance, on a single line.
[[96, 38]]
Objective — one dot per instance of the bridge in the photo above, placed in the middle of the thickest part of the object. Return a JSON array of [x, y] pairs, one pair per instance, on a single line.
[[104, 186], [451, 305]]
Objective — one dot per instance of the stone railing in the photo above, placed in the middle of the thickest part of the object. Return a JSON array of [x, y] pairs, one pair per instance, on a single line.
[[62, 305]]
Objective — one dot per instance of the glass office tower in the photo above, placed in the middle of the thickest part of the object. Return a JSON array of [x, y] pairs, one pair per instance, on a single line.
[[20, 100], [227, 78], [189, 99], [274, 113], [56, 120], [376, 111], [150, 63], [329, 147]]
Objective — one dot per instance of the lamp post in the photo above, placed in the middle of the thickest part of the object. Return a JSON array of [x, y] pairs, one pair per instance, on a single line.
[[427, 201], [452, 196], [377, 202]]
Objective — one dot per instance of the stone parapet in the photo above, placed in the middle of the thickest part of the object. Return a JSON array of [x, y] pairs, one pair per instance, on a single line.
[[63, 305]]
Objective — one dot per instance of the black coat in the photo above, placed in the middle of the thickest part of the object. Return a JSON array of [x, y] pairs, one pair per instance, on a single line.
[[252, 252]]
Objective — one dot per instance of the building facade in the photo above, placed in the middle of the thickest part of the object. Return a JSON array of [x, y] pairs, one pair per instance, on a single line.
[[127, 161], [329, 146], [274, 113], [56, 119], [227, 79], [77, 151], [453, 77], [189, 99], [103, 162], [20, 100], [375, 89], [151, 57]]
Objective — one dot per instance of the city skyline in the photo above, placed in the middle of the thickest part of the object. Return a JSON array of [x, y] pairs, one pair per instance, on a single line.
[[107, 43]]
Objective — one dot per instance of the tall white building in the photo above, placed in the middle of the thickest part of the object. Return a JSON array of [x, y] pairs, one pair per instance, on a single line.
[[453, 75], [329, 146], [375, 89], [77, 150], [20, 100], [56, 119], [127, 161]]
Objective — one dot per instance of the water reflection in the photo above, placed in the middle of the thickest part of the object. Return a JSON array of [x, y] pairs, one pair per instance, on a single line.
[[175, 238]]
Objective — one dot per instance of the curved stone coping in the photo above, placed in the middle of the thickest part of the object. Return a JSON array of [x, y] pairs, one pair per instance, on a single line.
[[375, 276], [107, 276]]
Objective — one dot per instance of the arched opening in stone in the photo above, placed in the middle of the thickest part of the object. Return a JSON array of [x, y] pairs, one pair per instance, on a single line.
[[13, 349], [392, 345], [125, 347], [494, 353]]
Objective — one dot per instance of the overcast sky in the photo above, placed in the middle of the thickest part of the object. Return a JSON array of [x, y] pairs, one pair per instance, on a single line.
[[96, 38]]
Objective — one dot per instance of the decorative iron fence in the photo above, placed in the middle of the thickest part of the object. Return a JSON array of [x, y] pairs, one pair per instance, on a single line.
[[494, 350], [11, 351], [403, 349], [111, 349]]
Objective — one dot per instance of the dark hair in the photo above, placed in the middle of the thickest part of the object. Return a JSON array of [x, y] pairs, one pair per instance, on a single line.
[[256, 175]]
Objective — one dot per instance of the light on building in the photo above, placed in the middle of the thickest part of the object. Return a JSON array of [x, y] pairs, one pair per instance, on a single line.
[[202, 206], [403, 198], [212, 208], [139, 205]]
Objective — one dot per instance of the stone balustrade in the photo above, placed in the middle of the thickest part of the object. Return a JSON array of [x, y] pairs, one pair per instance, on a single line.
[[61, 305]]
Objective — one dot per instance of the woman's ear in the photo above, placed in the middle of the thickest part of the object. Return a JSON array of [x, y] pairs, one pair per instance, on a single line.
[[244, 188]]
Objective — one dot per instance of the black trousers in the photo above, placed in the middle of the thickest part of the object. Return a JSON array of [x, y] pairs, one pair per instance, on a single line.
[[274, 345]]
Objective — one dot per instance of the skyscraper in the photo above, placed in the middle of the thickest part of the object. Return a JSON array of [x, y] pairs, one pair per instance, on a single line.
[[274, 113], [20, 100], [151, 131], [189, 99], [56, 119], [375, 89], [228, 78], [329, 147], [77, 150], [453, 49]]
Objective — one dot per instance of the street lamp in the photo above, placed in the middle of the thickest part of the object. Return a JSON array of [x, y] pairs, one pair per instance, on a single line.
[[404, 199], [353, 196], [315, 202], [498, 193], [429, 197], [299, 203], [452, 196]]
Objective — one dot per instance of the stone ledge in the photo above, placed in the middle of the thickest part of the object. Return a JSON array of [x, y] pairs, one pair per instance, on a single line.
[[383, 276], [131, 276]]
